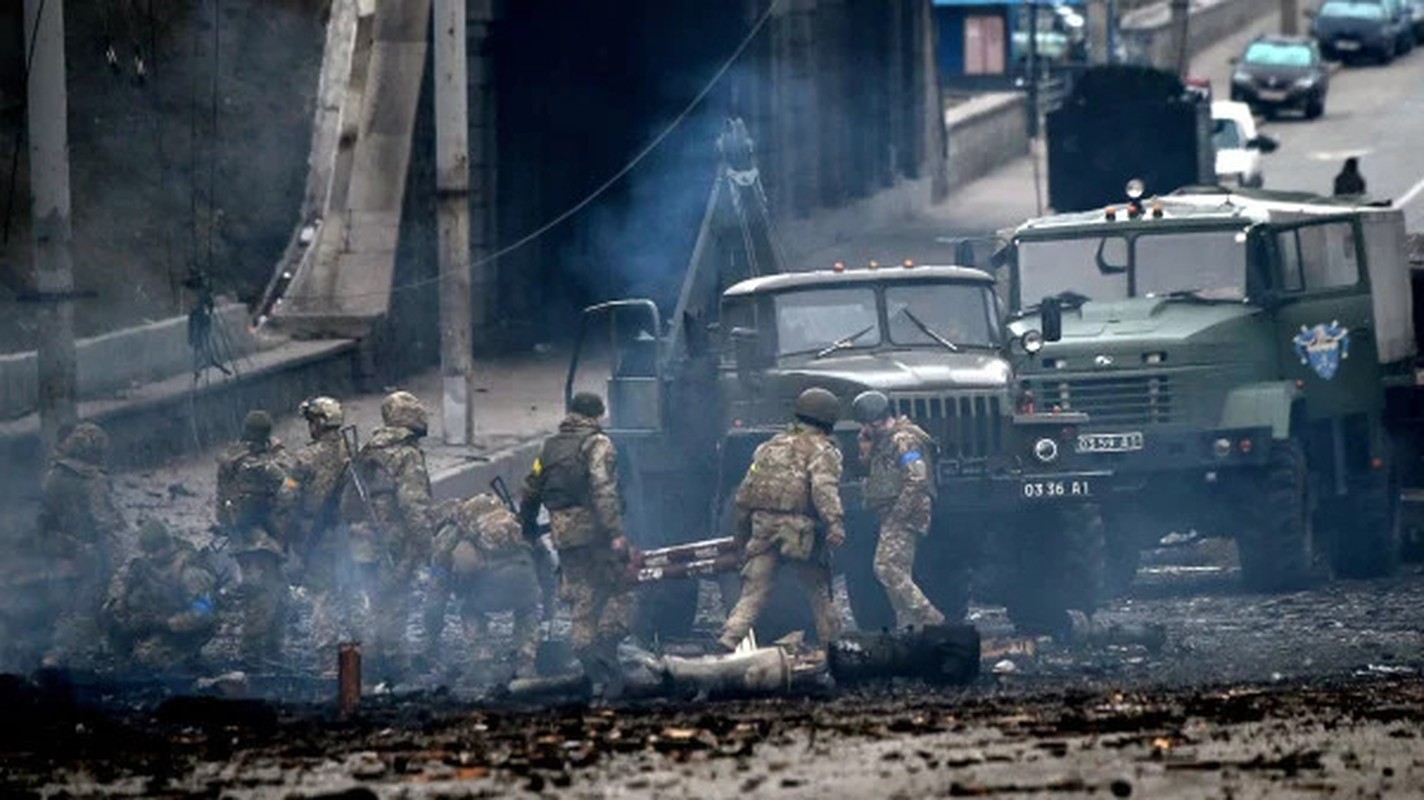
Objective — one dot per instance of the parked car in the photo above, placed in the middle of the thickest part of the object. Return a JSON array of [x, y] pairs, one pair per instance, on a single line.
[[1416, 18], [1279, 72], [1349, 29], [1238, 146]]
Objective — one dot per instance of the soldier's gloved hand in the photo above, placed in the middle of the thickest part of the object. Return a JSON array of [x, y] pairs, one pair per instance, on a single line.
[[835, 537], [621, 548]]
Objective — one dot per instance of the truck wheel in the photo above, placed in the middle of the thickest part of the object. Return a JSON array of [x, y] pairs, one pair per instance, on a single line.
[[1060, 567], [1276, 548], [1122, 552], [942, 569], [1365, 527], [1314, 108]]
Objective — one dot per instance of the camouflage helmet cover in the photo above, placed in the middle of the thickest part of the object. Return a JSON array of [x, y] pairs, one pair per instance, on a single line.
[[404, 410], [818, 405], [257, 426], [871, 406], [87, 442], [325, 411]]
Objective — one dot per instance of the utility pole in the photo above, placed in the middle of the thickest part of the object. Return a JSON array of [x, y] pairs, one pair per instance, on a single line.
[[1180, 19], [452, 188], [1290, 17], [49, 192], [1099, 38]]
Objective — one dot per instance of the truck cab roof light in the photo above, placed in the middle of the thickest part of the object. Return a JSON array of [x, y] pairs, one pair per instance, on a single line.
[[839, 266], [909, 263]]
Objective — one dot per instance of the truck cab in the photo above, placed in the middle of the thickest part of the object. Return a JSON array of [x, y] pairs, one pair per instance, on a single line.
[[934, 340]]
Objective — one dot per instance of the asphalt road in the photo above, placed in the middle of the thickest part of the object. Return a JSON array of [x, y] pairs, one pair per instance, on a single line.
[[1374, 112]]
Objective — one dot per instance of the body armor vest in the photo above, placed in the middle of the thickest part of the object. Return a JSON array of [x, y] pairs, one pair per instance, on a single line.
[[887, 475], [565, 475]]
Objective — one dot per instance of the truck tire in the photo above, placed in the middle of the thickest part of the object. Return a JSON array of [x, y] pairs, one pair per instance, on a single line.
[[1364, 528], [1125, 532], [1060, 567], [1276, 547], [943, 568]]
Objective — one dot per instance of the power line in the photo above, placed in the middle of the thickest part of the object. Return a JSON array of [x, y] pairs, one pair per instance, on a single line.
[[602, 187]]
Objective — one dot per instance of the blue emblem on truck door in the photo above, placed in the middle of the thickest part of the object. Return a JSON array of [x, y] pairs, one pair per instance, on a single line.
[[1323, 347]]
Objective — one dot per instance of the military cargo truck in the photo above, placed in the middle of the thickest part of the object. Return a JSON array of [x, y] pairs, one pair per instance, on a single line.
[[688, 405], [1248, 364]]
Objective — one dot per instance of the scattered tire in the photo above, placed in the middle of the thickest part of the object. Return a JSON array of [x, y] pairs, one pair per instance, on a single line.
[[1275, 546]]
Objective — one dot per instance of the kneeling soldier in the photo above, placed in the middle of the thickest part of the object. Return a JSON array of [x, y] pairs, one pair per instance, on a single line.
[[482, 557], [160, 612]]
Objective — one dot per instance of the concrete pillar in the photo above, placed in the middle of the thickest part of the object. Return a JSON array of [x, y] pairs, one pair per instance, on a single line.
[[452, 183], [831, 65], [800, 102], [930, 150], [1177, 53], [49, 193]]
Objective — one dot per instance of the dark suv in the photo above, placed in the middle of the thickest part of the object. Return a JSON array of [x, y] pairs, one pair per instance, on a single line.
[[1349, 29], [1280, 72]]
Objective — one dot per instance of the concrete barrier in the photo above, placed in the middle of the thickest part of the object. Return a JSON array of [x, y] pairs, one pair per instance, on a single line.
[[1147, 31], [118, 361], [984, 133]]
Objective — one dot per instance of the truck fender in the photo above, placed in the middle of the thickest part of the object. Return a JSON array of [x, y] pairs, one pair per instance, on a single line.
[[1261, 404]]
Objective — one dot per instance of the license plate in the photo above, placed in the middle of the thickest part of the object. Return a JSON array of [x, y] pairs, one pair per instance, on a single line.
[[1109, 442], [1345, 44], [1271, 96], [1053, 489]]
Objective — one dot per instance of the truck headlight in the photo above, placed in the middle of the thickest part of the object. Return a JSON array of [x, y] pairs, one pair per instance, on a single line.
[[1045, 450]]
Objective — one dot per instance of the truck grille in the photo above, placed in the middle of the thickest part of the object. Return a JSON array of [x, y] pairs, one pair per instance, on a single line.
[[964, 426], [1136, 399]]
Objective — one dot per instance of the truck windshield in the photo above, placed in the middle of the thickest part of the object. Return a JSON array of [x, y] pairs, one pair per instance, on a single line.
[[813, 320], [1204, 263], [962, 314]]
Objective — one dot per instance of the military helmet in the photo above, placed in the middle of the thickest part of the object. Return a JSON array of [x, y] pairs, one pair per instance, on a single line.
[[404, 410], [325, 411], [87, 442], [257, 426], [871, 406], [587, 404], [153, 536], [819, 406]]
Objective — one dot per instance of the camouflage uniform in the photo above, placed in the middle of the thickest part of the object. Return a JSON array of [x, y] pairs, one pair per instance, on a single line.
[[389, 530], [80, 529], [900, 490], [481, 556], [791, 489], [251, 474], [160, 610], [313, 494], [576, 479]]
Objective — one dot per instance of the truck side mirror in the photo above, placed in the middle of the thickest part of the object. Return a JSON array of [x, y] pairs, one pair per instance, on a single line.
[[1050, 313], [744, 347]]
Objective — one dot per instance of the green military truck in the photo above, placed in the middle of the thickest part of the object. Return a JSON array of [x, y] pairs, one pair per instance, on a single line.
[[691, 400], [1247, 361]]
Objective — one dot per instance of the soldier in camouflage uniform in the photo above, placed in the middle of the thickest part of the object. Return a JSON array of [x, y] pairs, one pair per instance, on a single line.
[[386, 507], [575, 477], [251, 474], [483, 558], [313, 494], [787, 513], [899, 488], [160, 610], [80, 530]]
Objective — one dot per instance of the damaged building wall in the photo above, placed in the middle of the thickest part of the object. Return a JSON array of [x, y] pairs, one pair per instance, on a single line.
[[162, 175], [838, 94]]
